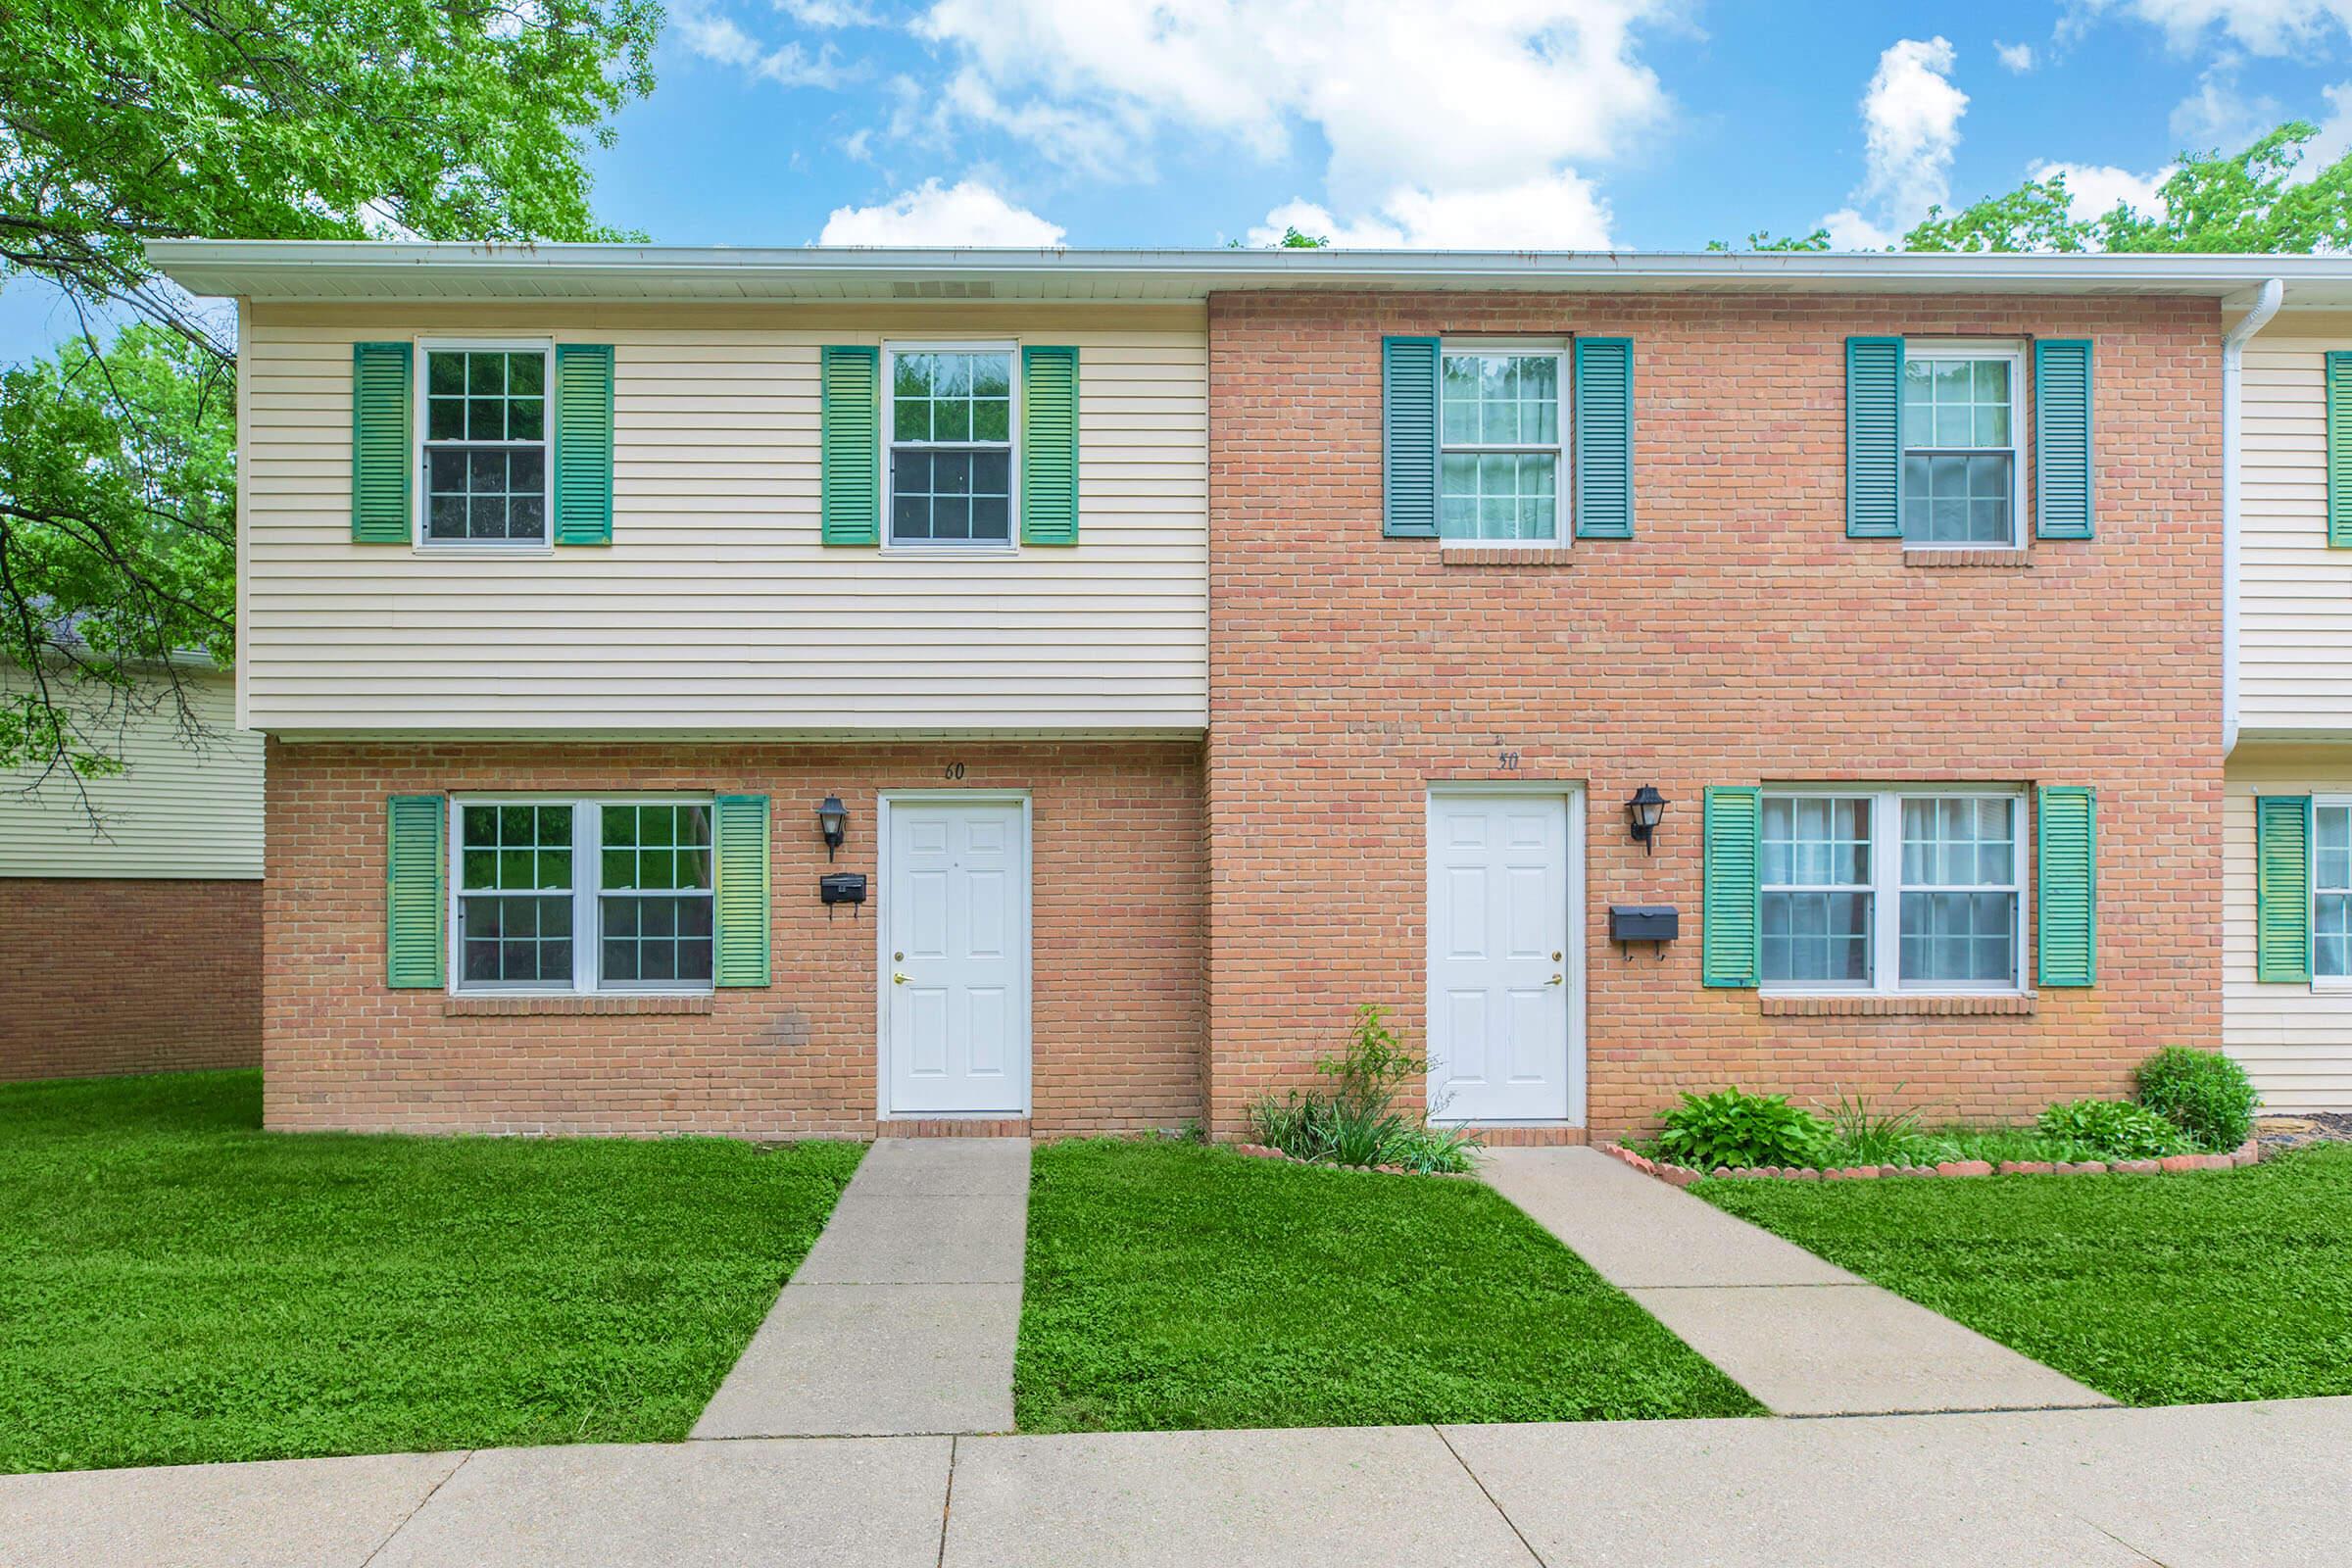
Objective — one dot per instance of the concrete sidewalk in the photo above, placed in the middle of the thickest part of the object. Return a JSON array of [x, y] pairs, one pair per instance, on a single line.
[[1802, 1335], [902, 1319], [2188, 1486]]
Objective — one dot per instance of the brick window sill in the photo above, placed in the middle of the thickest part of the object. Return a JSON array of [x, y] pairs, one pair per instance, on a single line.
[[517, 1006], [2007, 1006], [1991, 559], [1505, 556]]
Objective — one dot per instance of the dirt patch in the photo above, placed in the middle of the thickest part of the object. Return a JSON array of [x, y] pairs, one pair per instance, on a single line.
[[2276, 1133]]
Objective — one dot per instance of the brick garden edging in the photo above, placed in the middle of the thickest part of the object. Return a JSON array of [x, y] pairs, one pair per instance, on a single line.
[[2246, 1154]]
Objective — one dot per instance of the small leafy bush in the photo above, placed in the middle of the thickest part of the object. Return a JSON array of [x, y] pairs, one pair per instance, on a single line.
[[2203, 1093], [2116, 1129], [1355, 1120], [1731, 1127]]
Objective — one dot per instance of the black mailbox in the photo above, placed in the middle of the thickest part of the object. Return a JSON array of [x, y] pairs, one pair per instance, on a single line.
[[842, 887], [1642, 922]]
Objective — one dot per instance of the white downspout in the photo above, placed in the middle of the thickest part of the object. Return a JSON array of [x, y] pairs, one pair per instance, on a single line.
[[2233, 348]]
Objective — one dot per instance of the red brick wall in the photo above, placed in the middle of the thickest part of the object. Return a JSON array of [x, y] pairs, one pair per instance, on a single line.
[[1118, 1003], [101, 976], [1739, 637]]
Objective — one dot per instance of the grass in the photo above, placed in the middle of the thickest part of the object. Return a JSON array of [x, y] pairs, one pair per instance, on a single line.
[[1171, 1286], [176, 1286], [2155, 1290]]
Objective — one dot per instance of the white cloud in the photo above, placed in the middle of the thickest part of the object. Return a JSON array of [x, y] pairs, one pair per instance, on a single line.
[[1554, 212], [717, 38], [2094, 190], [2335, 134], [2263, 26], [2017, 58], [1911, 126], [1489, 104], [828, 13], [2218, 115], [966, 213]]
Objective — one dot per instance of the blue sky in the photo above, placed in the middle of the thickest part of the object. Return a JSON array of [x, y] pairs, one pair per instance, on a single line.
[[1653, 125]]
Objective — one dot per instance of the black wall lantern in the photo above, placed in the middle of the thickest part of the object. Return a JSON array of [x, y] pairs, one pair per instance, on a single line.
[[833, 820], [1643, 811]]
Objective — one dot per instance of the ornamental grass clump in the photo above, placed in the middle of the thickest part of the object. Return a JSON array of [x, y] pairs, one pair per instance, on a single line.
[[2203, 1093], [1355, 1120]]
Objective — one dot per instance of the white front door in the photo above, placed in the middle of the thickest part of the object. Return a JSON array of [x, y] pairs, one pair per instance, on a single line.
[[1504, 981], [956, 959]]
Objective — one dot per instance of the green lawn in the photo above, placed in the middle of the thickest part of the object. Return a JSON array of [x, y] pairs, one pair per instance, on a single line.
[[178, 1286], [1171, 1286], [2156, 1290]]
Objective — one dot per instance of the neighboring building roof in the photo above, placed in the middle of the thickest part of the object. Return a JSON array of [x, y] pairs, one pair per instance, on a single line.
[[339, 269]]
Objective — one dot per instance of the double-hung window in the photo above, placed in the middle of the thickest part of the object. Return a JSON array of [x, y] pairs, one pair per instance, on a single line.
[[2332, 890], [1501, 417], [1892, 890], [1963, 480], [582, 895], [951, 424], [485, 458]]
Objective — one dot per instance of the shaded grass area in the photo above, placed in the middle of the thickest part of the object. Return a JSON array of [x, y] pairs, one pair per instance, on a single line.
[[178, 1286], [2155, 1290], [1172, 1286]]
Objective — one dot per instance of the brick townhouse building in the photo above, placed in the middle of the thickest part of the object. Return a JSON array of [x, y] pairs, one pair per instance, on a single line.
[[805, 692]]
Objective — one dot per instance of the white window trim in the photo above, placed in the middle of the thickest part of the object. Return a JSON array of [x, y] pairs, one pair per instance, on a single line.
[[587, 851], [2333, 984], [545, 348], [2020, 443], [1887, 889], [1562, 353], [1011, 545]]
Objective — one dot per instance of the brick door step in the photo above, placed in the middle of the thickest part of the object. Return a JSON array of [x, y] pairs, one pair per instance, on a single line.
[[2246, 1154]]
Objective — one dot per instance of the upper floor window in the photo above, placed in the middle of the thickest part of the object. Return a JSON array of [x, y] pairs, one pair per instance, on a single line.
[[2332, 890], [1962, 484], [1888, 891], [950, 445], [485, 445], [1500, 414]]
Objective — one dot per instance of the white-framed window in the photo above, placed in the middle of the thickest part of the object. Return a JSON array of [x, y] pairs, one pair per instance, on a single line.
[[2332, 888], [950, 476], [1503, 439], [560, 893], [1964, 475], [483, 421], [1895, 889]]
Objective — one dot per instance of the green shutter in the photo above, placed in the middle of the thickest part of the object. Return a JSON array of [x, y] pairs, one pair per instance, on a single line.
[[380, 456], [2282, 886], [583, 408], [1049, 446], [1874, 437], [851, 444], [2339, 450], [1605, 438], [739, 889], [415, 896], [2066, 857], [1728, 926], [1408, 423], [2062, 465]]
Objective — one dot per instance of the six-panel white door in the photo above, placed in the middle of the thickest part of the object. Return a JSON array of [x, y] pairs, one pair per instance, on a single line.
[[955, 972], [1502, 983]]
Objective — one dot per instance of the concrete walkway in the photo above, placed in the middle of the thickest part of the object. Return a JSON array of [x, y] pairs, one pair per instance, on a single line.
[[2186, 1485], [1802, 1335], [901, 1318]]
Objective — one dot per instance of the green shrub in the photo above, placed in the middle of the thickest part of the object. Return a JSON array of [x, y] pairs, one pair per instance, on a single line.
[[1355, 1121], [2115, 1128], [1731, 1127], [2203, 1093], [1862, 1135]]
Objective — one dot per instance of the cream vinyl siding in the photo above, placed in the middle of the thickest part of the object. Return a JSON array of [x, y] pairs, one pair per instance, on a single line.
[[2296, 1040], [2295, 607], [715, 610], [173, 811]]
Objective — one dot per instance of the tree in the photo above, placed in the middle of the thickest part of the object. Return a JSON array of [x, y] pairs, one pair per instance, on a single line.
[[123, 121]]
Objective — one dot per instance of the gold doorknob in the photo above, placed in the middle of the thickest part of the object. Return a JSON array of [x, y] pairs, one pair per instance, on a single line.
[[1556, 980], [897, 979]]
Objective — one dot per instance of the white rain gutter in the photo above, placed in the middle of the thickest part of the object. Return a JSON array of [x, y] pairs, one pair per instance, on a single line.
[[2233, 349]]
